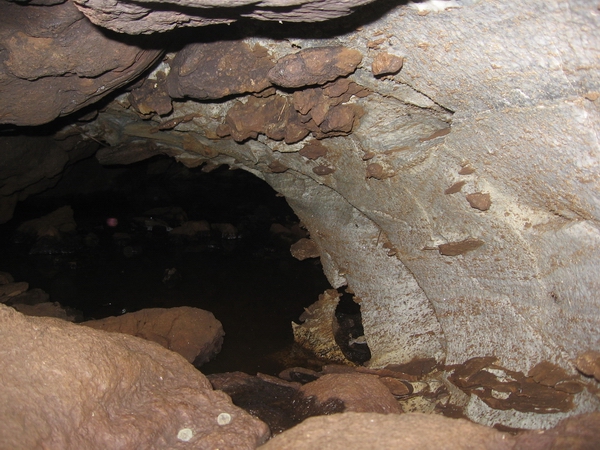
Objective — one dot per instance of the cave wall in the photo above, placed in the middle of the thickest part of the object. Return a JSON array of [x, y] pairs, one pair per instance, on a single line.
[[458, 197]]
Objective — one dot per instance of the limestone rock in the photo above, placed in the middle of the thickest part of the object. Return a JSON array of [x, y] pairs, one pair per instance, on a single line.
[[193, 333], [588, 363], [353, 430], [356, 392], [218, 69], [317, 332], [71, 387], [143, 17], [54, 49]]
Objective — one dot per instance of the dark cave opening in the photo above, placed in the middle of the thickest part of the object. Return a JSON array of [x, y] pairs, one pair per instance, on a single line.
[[249, 280]]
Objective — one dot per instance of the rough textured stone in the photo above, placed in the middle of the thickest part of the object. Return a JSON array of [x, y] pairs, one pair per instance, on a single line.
[[218, 69], [375, 431], [193, 333], [314, 66], [68, 386], [143, 17], [317, 331], [10, 290], [45, 309], [386, 64], [303, 249], [588, 363], [53, 49], [357, 392]]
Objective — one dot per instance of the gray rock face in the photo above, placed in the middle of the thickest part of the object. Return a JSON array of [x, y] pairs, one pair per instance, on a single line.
[[71, 387], [144, 17]]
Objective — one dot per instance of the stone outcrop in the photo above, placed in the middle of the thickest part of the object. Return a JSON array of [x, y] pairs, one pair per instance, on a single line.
[[193, 333], [68, 386], [144, 18], [52, 58]]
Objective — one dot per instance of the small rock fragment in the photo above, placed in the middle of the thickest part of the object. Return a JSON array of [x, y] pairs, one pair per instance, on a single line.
[[461, 247], [277, 167], [314, 66], [588, 363], [479, 201], [456, 187], [313, 150], [386, 64], [13, 289], [466, 170], [323, 170], [305, 248]]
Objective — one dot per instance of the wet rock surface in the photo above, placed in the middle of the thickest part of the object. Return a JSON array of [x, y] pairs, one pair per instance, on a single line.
[[109, 389], [193, 333]]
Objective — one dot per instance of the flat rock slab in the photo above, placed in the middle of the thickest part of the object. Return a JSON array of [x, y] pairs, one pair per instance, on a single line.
[[108, 390]]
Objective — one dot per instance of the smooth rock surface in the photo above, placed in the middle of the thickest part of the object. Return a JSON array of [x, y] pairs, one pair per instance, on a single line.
[[70, 387], [193, 333]]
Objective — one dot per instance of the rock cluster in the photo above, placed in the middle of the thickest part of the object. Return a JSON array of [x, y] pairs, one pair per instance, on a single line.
[[69, 386]]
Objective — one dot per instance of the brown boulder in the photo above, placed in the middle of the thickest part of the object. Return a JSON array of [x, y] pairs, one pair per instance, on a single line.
[[389, 431], [70, 387], [358, 392], [193, 333]]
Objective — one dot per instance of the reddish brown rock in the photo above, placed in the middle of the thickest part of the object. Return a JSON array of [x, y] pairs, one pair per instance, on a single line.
[[456, 187], [71, 387], [479, 201], [141, 17], [460, 248], [314, 66], [305, 248], [54, 49], [588, 363], [192, 229], [218, 69], [152, 96], [6, 278], [323, 170], [313, 150], [356, 391], [574, 433], [277, 167], [352, 430], [129, 152], [386, 64], [272, 116], [193, 333]]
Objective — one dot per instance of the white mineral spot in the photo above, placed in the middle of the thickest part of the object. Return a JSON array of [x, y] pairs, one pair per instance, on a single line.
[[185, 434], [224, 419]]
